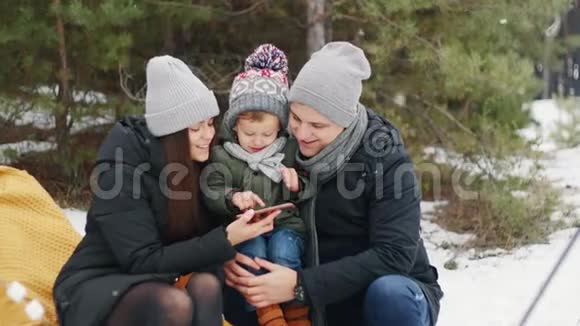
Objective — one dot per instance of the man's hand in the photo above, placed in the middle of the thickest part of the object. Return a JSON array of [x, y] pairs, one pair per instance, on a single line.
[[277, 286], [290, 177], [234, 271], [246, 200]]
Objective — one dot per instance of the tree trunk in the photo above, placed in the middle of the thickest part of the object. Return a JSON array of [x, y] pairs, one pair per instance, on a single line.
[[328, 21], [64, 97], [169, 38], [315, 17]]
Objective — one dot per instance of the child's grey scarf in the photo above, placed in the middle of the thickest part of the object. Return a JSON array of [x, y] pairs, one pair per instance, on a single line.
[[268, 160]]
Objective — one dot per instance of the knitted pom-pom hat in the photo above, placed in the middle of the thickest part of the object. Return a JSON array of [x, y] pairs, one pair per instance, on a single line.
[[262, 86]]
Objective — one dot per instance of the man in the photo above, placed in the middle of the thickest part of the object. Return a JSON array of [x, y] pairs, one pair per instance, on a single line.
[[365, 262]]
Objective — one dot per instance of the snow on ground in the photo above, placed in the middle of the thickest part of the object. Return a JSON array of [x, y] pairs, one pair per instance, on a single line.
[[8, 151], [497, 290], [77, 218], [38, 119], [547, 115], [44, 119]]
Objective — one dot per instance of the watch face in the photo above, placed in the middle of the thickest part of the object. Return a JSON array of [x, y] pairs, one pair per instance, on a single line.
[[299, 293]]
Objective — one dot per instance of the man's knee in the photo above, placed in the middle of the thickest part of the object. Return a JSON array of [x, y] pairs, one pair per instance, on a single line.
[[393, 288], [404, 298]]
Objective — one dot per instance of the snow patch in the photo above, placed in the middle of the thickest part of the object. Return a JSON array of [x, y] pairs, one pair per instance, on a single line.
[[11, 150]]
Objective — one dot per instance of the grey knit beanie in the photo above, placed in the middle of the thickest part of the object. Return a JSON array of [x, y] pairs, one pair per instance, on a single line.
[[262, 86], [331, 82], [176, 98]]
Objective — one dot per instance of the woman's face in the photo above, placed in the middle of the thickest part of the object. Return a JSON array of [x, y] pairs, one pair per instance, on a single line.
[[312, 130], [200, 137]]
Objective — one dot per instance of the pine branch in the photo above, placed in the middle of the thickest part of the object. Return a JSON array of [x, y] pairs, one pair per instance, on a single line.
[[482, 147], [446, 114], [227, 13], [211, 85], [124, 78], [440, 134], [392, 24], [499, 86]]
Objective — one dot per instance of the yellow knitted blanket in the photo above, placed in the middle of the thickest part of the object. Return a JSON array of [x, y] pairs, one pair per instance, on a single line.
[[36, 239]]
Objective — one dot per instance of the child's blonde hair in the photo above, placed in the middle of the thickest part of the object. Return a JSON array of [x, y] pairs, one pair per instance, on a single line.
[[255, 115]]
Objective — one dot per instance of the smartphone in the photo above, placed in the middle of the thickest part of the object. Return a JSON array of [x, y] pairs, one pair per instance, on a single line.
[[267, 210]]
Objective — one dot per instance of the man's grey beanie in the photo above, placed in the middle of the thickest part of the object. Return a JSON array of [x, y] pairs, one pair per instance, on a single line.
[[176, 98], [331, 82]]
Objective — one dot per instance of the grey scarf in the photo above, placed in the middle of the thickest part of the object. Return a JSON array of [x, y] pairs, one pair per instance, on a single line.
[[268, 160], [332, 159]]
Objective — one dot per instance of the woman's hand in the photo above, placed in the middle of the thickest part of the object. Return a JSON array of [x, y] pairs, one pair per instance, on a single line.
[[290, 177], [243, 228], [246, 200], [274, 287]]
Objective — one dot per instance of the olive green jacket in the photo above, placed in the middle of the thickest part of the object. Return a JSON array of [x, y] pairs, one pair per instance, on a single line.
[[227, 175]]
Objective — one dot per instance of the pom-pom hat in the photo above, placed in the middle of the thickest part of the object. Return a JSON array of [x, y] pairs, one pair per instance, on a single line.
[[262, 86]]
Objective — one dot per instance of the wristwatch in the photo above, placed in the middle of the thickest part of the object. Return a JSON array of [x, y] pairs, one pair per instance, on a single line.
[[299, 295]]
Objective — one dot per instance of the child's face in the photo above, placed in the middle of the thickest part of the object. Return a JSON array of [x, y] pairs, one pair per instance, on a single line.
[[255, 135]]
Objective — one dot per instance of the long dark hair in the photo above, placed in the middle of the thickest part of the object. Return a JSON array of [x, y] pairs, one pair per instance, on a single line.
[[186, 218]]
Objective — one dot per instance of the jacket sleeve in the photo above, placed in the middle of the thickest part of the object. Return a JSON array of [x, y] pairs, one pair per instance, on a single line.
[[394, 216], [125, 219], [219, 191]]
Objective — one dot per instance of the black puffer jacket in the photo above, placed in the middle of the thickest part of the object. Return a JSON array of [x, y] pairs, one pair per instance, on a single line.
[[122, 245], [355, 238]]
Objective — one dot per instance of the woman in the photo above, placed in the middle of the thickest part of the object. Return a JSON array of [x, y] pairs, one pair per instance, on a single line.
[[366, 262], [146, 225]]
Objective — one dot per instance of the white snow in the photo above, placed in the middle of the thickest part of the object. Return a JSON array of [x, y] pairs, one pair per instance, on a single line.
[[7, 151], [36, 118], [77, 218], [79, 96], [496, 290], [45, 120], [515, 166], [547, 115]]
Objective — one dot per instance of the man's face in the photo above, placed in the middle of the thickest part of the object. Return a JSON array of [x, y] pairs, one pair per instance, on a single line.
[[312, 130]]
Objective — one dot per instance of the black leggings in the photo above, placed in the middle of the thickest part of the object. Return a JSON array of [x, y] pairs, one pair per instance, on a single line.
[[152, 304]]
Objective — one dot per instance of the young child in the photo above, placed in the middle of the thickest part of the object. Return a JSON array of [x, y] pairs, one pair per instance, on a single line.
[[252, 168]]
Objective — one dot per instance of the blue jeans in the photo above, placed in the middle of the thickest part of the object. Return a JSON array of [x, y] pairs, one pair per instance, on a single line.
[[403, 299], [391, 300], [282, 246]]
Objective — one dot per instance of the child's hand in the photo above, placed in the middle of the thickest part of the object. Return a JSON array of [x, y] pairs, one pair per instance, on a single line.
[[246, 200], [290, 177]]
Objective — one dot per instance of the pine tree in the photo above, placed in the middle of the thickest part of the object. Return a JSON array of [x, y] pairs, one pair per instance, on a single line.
[[468, 60], [59, 49]]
